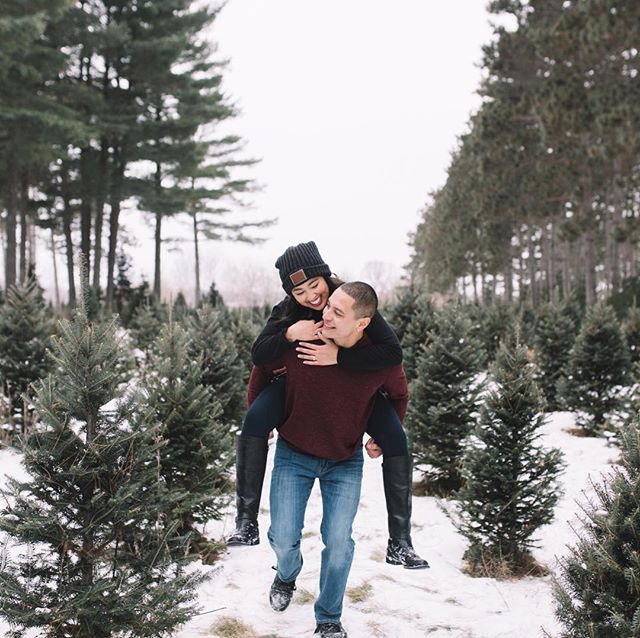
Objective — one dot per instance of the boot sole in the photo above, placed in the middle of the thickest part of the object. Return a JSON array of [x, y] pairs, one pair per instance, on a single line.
[[391, 561], [233, 543]]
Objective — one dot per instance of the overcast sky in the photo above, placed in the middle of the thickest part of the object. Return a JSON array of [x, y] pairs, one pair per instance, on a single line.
[[353, 107]]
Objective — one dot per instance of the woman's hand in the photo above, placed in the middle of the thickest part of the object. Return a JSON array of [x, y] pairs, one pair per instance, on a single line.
[[373, 449], [318, 355], [303, 330]]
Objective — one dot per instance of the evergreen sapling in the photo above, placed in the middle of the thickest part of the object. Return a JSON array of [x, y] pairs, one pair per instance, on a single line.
[[597, 371], [93, 557], [598, 592], [222, 370], [195, 462], [444, 402], [510, 482], [553, 339], [25, 330]]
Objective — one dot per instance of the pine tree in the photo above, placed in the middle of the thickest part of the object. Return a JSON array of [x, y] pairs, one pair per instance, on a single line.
[[99, 564], [180, 308], [25, 329], [444, 401], [631, 329], [222, 369], [196, 460], [598, 592], [400, 313], [417, 336], [213, 297], [554, 336], [146, 324], [244, 328], [598, 368], [510, 482]]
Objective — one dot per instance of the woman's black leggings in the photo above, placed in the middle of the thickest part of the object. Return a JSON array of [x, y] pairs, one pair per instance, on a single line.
[[267, 413]]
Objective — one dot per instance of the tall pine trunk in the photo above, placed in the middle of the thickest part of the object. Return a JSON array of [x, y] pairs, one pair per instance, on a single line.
[[589, 267], [117, 183], [10, 223], [157, 286], [531, 267], [55, 268], [85, 206], [24, 225], [566, 269], [101, 198], [157, 253], [196, 256], [67, 217]]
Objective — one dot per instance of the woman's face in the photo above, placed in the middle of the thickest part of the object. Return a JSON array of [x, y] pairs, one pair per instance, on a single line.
[[313, 293]]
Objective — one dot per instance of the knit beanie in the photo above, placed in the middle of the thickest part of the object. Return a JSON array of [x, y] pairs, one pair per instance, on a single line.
[[299, 263]]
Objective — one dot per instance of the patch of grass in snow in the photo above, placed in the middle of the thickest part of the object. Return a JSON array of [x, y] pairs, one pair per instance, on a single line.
[[359, 593], [377, 555], [230, 627], [453, 601], [303, 597], [482, 562]]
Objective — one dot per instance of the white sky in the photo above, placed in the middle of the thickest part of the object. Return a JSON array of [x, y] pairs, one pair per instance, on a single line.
[[353, 107]]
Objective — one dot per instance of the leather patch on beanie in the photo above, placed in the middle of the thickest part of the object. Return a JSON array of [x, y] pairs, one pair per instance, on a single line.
[[298, 277]]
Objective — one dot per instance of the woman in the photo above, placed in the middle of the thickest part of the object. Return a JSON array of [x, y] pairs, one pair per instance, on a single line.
[[308, 283]]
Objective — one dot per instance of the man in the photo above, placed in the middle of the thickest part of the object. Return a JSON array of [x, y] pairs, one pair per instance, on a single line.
[[326, 412]]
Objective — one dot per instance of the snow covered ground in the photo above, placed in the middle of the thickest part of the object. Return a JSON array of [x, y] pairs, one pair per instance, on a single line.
[[390, 601]]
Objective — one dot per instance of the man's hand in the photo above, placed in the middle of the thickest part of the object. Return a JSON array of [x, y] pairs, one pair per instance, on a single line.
[[373, 449], [318, 355], [303, 330]]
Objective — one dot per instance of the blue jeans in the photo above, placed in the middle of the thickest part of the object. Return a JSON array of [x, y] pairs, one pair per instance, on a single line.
[[293, 477]]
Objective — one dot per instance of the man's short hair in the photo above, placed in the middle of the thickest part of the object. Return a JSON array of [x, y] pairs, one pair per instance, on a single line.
[[364, 296]]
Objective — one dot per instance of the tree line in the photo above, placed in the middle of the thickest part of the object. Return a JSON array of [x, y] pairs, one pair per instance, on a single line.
[[109, 109], [542, 193]]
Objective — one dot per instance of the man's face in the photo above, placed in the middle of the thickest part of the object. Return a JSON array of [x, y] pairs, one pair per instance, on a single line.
[[339, 317]]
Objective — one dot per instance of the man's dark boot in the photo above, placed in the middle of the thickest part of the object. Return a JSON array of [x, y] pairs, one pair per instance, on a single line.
[[280, 594], [251, 461], [397, 476]]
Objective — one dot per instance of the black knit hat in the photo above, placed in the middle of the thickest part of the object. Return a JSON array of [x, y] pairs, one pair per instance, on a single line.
[[299, 263]]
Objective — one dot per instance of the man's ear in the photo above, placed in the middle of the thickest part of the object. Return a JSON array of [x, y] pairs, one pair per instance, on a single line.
[[363, 323]]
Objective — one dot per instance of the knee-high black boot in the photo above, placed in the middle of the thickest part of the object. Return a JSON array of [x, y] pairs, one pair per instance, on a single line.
[[397, 476], [251, 460]]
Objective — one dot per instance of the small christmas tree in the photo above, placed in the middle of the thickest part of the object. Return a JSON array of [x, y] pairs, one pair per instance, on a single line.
[[213, 297], [25, 329], [196, 460], [598, 593], [244, 327], [631, 329], [597, 370], [146, 324], [444, 401], [554, 336], [402, 310], [99, 563], [416, 337], [496, 320], [180, 308], [510, 482], [222, 369]]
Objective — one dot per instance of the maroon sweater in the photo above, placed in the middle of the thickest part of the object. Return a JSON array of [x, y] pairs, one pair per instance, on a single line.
[[327, 407]]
